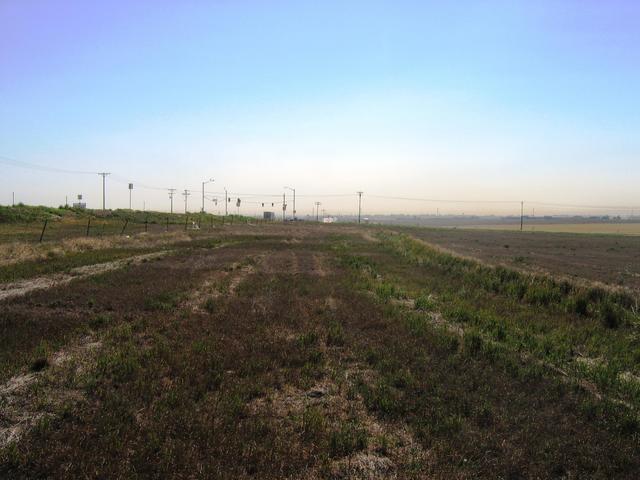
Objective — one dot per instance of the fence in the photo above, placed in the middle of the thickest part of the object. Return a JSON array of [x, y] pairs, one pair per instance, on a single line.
[[56, 229]]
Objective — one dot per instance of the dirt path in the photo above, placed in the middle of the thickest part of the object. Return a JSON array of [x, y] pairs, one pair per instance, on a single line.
[[23, 287]]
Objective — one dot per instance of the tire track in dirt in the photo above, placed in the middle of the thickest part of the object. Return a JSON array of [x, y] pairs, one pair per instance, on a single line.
[[335, 395], [223, 282], [23, 287]]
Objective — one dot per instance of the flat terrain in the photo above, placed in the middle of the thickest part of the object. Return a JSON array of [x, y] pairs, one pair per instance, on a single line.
[[603, 228], [611, 259], [309, 351]]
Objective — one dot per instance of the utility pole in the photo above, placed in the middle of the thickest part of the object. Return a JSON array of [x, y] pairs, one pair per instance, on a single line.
[[130, 190], [186, 196], [359, 205], [104, 176], [203, 184], [171, 193], [294, 201], [226, 201], [317, 205], [521, 214], [284, 206]]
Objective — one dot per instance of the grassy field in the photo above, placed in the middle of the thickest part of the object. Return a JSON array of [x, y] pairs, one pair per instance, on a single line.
[[316, 351]]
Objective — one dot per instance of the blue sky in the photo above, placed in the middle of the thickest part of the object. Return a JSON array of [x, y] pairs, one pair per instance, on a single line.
[[454, 100]]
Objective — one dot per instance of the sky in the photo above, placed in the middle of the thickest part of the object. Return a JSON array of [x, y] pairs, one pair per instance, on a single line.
[[475, 101]]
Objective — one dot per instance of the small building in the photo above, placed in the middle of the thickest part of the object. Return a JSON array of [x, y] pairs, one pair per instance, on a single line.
[[269, 216]]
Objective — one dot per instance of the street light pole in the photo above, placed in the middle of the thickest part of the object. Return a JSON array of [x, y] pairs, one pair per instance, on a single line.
[[203, 184], [104, 176], [294, 200]]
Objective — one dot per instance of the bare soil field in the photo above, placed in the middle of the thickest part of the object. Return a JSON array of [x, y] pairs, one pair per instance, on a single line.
[[610, 259], [628, 228], [316, 351]]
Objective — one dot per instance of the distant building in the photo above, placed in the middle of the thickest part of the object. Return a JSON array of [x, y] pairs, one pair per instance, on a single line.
[[269, 216]]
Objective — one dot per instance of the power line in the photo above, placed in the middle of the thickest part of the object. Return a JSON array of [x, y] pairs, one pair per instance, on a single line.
[[119, 179], [33, 166], [440, 200]]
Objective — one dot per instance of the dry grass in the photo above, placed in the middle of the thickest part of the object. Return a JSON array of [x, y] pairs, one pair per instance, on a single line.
[[22, 251]]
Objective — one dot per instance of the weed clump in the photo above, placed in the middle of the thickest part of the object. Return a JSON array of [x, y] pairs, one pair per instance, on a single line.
[[335, 335], [210, 305], [578, 304], [308, 339], [611, 315], [425, 303], [99, 320], [350, 438]]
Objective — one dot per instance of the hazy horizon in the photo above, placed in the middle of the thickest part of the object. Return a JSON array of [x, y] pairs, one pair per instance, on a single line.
[[499, 101]]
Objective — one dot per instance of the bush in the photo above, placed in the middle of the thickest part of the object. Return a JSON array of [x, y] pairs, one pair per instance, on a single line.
[[578, 304], [349, 439], [611, 315], [424, 303]]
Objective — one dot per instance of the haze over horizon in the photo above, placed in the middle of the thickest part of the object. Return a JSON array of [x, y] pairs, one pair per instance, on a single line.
[[498, 100]]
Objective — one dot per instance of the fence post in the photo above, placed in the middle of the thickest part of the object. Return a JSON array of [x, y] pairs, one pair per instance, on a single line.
[[88, 226], [44, 227], [167, 227], [124, 226]]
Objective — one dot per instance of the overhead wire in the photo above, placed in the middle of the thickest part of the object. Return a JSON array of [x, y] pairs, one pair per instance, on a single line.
[[123, 180]]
